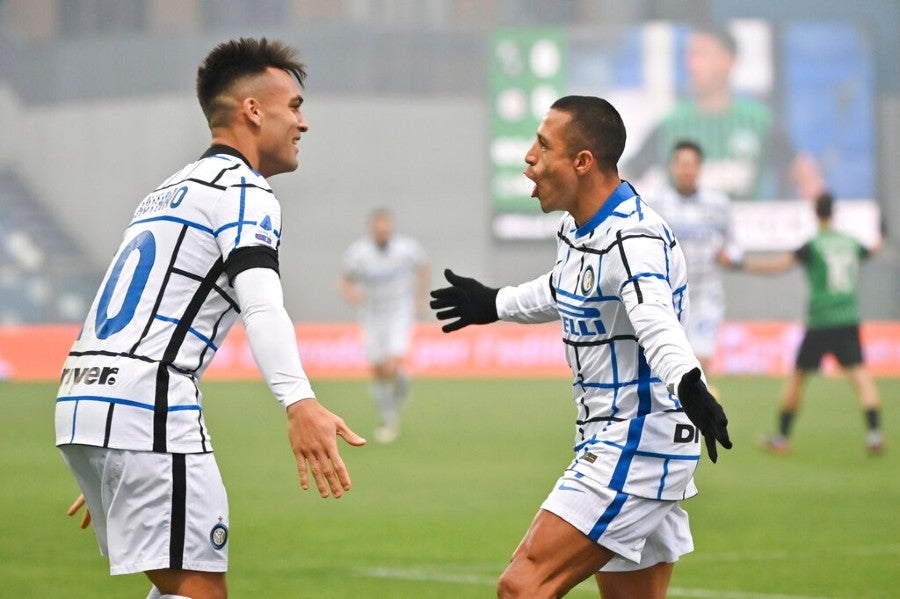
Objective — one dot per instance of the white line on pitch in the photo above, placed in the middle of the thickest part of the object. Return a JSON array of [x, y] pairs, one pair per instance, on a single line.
[[438, 575], [780, 554]]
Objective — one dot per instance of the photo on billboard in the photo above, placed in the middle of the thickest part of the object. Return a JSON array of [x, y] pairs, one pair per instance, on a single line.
[[782, 111]]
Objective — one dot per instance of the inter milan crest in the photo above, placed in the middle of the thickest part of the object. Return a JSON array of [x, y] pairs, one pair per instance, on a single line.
[[218, 536], [587, 281]]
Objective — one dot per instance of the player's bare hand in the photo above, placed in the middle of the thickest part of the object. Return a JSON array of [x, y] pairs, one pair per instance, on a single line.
[[73, 509], [313, 432]]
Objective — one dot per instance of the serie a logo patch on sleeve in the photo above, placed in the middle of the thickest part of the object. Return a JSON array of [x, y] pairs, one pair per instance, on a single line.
[[265, 232]]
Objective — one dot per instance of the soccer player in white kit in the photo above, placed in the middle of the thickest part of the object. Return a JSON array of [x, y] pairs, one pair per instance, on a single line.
[[619, 287], [700, 219], [385, 275], [200, 250]]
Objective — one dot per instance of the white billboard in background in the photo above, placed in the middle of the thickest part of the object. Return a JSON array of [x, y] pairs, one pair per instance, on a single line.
[[773, 226]]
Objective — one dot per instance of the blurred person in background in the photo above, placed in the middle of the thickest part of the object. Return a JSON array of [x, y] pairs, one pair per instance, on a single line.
[[385, 276], [831, 262], [700, 219]]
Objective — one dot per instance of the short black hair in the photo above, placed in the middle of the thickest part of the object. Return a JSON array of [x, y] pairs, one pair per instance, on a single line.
[[688, 144], [721, 34], [595, 126], [235, 59], [824, 205]]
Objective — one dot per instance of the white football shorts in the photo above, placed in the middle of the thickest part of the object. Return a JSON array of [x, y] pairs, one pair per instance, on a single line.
[[641, 532], [154, 511], [387, 336]]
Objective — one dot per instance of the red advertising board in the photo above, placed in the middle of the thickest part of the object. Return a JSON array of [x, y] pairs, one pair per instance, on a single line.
[[29, 353]]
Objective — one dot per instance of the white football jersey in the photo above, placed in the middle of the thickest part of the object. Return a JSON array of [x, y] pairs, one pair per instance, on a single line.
[[701, 223], [164, 307], [387, 274], [631, 433]]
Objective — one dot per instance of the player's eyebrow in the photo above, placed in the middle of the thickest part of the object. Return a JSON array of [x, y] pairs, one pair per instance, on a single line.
[[298, 100]]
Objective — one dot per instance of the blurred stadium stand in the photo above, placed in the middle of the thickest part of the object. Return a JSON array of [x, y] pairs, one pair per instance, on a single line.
[[44, 275], [379, 70]]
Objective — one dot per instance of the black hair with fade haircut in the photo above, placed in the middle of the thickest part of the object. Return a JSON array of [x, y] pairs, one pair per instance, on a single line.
[[595, 126], [235, 59], [688, 144]]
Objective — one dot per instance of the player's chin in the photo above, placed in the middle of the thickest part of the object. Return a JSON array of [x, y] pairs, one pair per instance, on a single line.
[[289, 163]]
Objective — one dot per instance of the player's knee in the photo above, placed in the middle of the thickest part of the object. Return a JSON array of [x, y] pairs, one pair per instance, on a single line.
[[507, 587], [513, 585]]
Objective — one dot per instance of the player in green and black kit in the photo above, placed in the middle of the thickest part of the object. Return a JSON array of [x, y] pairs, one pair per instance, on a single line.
[[831, 260], [747, 153]]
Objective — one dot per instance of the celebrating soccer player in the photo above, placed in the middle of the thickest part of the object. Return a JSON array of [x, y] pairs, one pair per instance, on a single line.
[[199, 250], [619, 286]]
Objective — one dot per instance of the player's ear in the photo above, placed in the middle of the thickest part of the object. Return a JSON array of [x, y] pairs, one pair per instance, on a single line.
[[252, 110], [583, 162]]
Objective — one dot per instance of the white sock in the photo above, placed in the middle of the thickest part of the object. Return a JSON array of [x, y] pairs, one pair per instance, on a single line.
[[384, 399], [173, 597]]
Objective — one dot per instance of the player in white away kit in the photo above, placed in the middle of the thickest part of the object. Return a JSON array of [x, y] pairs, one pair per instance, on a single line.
[[386, 277], [700, 219], [619, 286], [200, 249]]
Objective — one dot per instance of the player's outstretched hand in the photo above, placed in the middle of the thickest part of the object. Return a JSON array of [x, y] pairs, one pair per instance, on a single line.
[[313, 432], [73, 509], [467, 300], [704, 411]]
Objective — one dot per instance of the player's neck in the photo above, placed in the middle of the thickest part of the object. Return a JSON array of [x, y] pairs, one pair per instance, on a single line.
[[595, 192], [715, 101], [232, 139]]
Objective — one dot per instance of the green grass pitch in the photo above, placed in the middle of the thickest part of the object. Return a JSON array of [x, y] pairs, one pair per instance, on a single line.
[[438, 513]]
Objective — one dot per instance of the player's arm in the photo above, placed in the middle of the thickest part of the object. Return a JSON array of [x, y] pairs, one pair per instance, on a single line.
[[731, 255], [647, 297], [351, 291], [531, 302], [423, 283], [471, 302], [312, 429], [770, 264]]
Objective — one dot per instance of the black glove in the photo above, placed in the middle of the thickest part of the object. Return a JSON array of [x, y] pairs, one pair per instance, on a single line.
[[704, 411], [466, 300]]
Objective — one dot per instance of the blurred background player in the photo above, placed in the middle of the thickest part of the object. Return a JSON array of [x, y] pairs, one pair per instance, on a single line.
[[748, 154], [831, 261], [700, 219], [386, 277]]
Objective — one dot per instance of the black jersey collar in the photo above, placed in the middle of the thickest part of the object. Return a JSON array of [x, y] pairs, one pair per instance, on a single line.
[[223, 149]]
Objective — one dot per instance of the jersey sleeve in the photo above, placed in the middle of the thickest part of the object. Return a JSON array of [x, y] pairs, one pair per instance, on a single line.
[[802, 253], [271, 336], [642, 262], [529, 302], [247, 225]]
